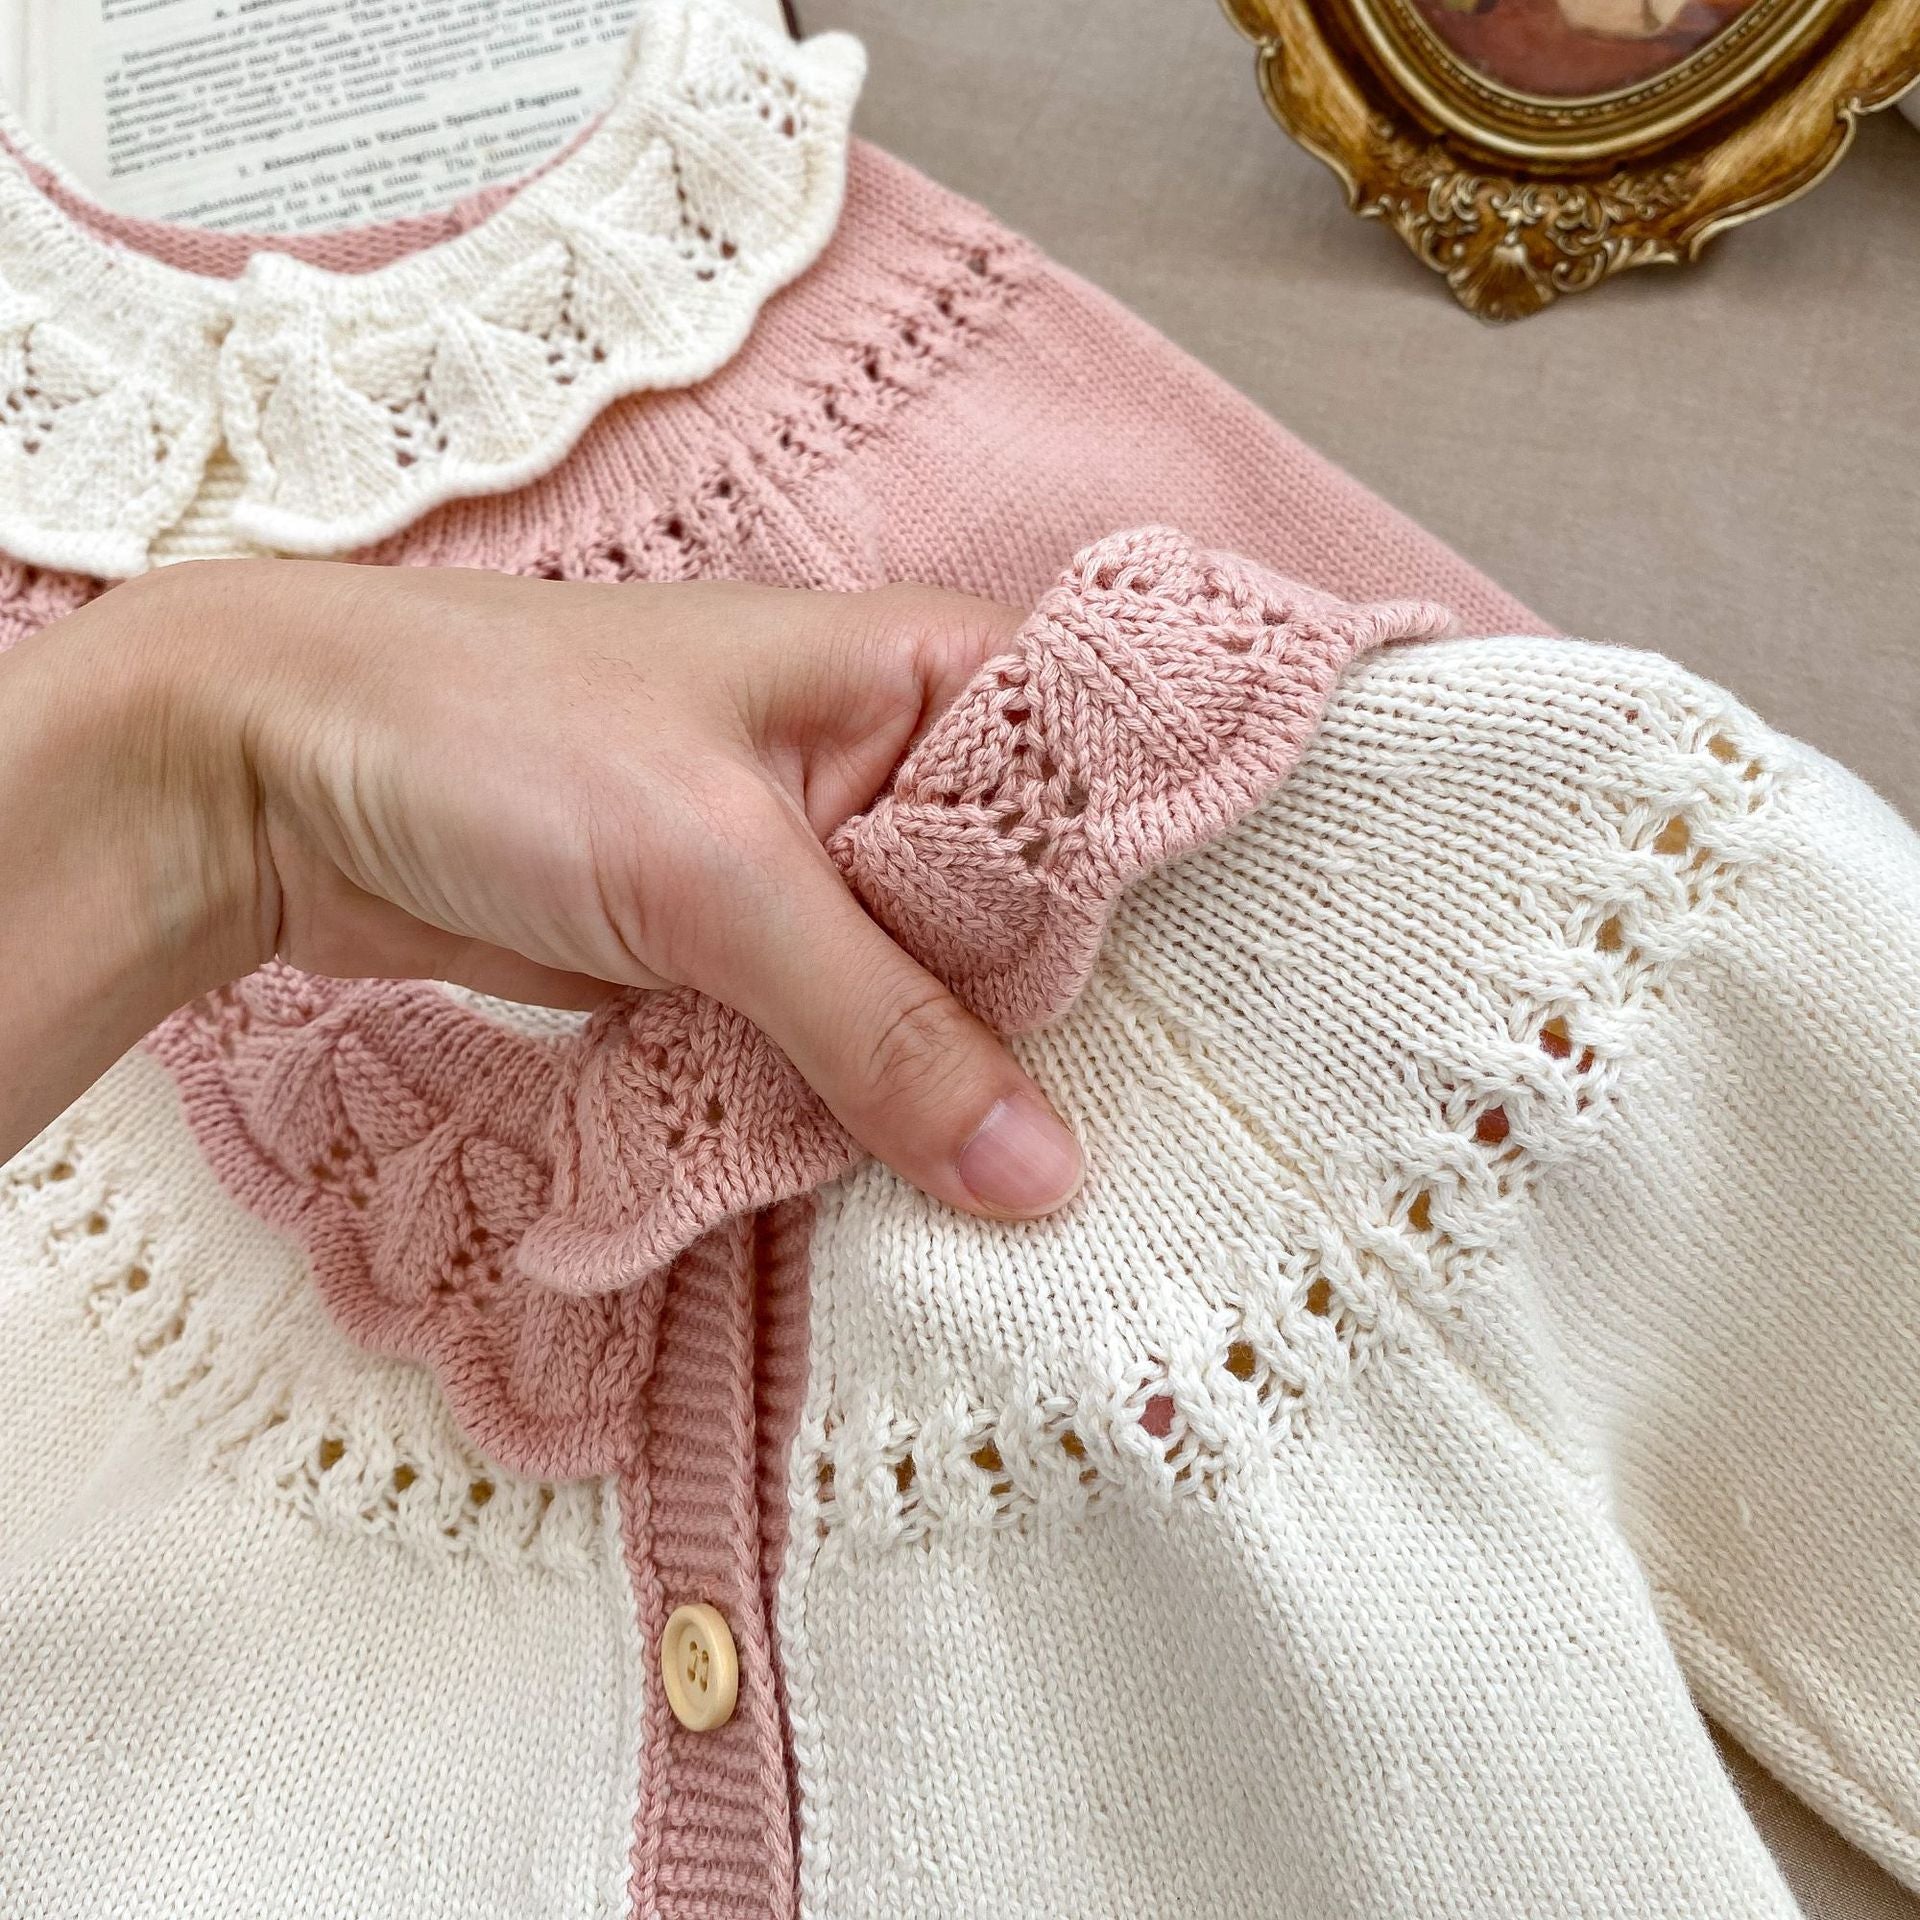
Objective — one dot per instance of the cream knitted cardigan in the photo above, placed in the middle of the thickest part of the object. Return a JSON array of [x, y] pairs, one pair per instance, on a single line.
[[1481, 1450], [1488, 1320]]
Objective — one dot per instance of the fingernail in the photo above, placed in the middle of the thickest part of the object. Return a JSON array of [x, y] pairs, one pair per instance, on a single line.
[[1021, 1160]]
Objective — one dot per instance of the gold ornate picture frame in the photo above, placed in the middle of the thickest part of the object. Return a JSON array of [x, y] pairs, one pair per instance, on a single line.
[[1526, 149]]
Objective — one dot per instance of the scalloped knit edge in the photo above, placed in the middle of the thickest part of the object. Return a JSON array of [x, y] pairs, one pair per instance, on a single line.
[[1273, 650], [212, 339], [535, 1373]]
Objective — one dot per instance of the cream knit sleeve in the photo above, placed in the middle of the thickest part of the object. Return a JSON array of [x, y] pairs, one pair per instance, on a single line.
[[1729, 1282], [1485, 1336]]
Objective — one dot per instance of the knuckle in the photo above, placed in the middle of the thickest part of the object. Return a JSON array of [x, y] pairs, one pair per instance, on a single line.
[[915, 1049], [705, 856]]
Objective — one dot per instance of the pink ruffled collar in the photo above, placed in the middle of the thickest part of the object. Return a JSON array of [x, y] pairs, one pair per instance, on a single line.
[[507, 1210]]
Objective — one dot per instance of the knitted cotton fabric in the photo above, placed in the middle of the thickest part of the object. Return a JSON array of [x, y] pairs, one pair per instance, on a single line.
[[1496, 1065]]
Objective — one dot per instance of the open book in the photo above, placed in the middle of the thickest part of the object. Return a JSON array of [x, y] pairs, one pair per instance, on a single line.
[[284, 115]]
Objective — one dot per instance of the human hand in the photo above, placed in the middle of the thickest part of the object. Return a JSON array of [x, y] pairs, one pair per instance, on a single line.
[[540, 790]]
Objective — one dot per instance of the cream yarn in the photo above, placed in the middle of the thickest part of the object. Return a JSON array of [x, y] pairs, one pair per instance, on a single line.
[[1491, 1316], [150, 412]]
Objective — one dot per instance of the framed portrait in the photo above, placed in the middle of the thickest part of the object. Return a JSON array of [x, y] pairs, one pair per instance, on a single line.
[[1528, 149]]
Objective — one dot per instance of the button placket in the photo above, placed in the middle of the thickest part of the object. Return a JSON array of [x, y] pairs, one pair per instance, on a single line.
[[703, 1498]]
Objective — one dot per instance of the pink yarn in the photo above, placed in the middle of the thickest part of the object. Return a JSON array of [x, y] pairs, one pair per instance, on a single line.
[[1153, 697], [433, 1161]]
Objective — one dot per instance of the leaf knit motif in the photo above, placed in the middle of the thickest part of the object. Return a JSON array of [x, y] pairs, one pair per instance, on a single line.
[[345, 405], [508, 1210]]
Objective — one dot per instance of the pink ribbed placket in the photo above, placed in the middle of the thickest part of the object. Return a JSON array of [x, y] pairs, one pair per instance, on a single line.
[[704, 1505]]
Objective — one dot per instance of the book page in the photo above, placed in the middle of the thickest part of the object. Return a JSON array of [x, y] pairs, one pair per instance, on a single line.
[[286, 115]]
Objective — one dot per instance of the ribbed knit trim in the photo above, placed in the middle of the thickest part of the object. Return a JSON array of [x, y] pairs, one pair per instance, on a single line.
[[705, 1503]]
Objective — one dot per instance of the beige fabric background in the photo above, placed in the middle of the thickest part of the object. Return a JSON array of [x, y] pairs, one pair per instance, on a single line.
[[1721, 463]]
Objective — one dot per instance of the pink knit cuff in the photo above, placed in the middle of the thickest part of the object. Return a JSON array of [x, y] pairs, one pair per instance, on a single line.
[[433, 1162], [1154, 696]]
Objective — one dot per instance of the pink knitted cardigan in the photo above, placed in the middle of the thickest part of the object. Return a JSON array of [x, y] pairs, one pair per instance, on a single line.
[[599, 1244]]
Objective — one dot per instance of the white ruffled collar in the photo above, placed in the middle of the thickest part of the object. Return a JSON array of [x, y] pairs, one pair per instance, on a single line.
[[299, 410]]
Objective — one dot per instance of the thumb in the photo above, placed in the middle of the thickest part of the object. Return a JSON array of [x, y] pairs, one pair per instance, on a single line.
[[919, 1081]]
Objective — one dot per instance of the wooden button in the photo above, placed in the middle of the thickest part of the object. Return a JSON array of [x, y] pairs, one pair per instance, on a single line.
[[700, 1668]]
